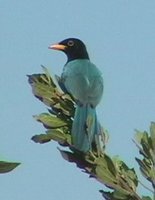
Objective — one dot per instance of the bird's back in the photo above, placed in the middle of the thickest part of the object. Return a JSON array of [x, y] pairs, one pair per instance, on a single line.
[[84, 81]]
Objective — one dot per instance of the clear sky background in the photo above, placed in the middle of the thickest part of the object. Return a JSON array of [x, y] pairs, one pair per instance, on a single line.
[[120, 37]]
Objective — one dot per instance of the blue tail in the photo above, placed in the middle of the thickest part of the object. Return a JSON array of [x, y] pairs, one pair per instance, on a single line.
[[84, 128]]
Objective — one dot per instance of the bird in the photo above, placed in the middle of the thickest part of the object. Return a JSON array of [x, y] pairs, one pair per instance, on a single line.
[[84, 81]]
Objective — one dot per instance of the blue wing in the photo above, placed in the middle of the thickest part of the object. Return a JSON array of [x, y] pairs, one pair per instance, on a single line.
[[84, 81]]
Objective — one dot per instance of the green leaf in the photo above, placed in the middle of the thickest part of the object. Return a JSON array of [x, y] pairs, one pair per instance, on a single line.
[[105, 171], [43, 88], [146, 198], [119, 195], [67, 106], [45, 93], [105, 175], [48, 78], [141, 151], [63, 107], [107, 195], [78, 159], [50, 121], [69, 156], [152, 133], [126, 174], [145, 141], [7, 166], [152, 173], [53, 134], [59, 136], [42, 138], [145, 137], [116, 195], [138, 136], [144, 169]]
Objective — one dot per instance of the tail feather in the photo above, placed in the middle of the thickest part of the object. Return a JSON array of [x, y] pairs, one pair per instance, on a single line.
[[84, 128]]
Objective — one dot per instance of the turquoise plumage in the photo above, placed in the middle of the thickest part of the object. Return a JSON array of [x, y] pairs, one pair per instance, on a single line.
[[83, 80]]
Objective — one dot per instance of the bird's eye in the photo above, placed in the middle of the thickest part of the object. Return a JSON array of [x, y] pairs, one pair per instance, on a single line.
[[70, 43]]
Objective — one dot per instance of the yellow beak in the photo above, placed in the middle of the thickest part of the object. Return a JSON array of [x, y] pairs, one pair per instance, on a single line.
[[57, 47]]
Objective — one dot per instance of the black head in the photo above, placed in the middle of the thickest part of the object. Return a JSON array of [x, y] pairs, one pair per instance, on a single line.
[[73, 48]]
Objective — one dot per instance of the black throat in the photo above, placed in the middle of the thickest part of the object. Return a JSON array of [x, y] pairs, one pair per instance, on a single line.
[[77, 56]]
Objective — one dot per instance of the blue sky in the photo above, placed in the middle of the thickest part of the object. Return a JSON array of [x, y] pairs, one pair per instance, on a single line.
[[119, 35]]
